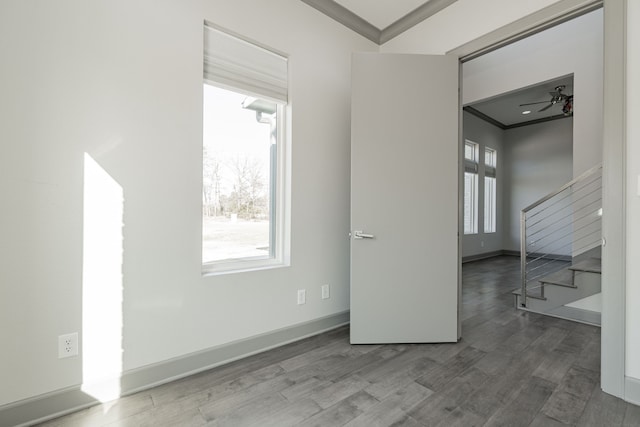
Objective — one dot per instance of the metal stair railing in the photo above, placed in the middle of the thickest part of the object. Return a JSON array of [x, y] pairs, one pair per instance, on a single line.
[[557, 228]]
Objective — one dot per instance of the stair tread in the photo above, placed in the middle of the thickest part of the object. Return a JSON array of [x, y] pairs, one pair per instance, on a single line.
[[562, 277], [518, 292], [589, 265]]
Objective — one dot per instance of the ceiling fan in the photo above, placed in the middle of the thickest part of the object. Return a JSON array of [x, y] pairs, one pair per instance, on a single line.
[[557, 97]]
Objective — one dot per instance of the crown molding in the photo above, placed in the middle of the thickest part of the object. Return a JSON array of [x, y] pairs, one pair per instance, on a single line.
[[352, 21], [502, 126], [347, 18], [413, 18]]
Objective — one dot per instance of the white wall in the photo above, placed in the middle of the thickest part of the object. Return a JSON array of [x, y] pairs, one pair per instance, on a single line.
[[633, 191], [538, 161], [486, 135], [122, 81], [575, 47]]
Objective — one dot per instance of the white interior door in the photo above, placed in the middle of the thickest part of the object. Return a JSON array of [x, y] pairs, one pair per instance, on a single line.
[[404, 198]]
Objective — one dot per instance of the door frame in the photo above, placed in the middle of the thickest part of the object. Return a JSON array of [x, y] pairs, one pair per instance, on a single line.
[[614, 165]]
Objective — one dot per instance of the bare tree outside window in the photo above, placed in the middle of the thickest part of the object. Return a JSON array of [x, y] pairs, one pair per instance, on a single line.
[[211, 203], [238, 136]]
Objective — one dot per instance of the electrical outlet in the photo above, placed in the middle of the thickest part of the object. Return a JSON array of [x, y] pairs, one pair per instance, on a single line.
[[325, 292], [302, 296], [68, 345]]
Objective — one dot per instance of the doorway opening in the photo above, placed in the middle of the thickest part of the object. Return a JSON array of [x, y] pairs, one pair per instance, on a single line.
[[519, 107]]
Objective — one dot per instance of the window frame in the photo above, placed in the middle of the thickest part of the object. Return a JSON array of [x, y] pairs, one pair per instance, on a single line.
[[471, 168], [279, 184], [491, 205]]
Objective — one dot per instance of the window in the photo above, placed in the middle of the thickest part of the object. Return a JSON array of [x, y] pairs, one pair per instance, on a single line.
[[470, 187], [490, 162], [243, 169]]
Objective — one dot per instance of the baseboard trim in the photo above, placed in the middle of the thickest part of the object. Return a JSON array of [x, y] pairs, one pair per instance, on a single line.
[[632, 390], [173, 369], [55, 404], [45, 407], [510, 252], [485, 255], [478, 257]]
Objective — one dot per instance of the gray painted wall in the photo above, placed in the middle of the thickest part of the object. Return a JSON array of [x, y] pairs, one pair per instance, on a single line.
[[486, 135], [539, 159], [532, 162]]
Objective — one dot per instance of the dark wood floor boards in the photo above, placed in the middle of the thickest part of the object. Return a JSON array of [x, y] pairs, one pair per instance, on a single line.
[[342, 412], [603, 410], [525, 405], [511, 368], [393, 408], [632, 416]]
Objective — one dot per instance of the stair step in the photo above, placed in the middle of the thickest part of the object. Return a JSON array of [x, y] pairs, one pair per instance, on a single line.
[[562, 277], [518, 292], [589, 265]]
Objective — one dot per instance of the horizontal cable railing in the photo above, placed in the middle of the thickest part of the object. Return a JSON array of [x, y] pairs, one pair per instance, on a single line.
[[558, 228]]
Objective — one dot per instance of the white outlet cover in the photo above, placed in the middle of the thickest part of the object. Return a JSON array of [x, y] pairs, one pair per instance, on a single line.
[[68, 345], [325, 292], [302, 297]]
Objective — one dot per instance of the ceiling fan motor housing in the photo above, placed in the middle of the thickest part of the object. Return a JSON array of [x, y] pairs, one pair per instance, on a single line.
[[556, 97]]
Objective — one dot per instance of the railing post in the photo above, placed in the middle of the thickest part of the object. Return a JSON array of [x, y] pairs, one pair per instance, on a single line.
[[523, 257]]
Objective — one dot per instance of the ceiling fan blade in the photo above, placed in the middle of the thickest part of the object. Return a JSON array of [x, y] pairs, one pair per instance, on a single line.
[[547, 107], [534, 103]]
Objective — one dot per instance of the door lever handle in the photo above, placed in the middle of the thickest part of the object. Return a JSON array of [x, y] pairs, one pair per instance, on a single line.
[[358, 234]]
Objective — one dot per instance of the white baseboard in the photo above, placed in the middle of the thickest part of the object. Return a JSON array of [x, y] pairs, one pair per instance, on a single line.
[[61, 402], [632, 390]]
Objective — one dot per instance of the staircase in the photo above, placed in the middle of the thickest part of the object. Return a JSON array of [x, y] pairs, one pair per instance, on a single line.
[[571, 293], [561, 251]]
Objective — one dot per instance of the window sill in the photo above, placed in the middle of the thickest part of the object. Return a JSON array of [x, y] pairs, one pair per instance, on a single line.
[[241, 266]]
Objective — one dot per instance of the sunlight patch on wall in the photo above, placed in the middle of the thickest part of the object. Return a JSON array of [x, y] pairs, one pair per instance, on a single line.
[[102, 283]]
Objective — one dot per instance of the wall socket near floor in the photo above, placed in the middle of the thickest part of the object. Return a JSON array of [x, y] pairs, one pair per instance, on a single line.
[[302, 296], [68, 345], [325, 292]]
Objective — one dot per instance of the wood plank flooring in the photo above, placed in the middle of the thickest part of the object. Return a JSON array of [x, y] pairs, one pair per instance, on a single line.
[[511, 368]]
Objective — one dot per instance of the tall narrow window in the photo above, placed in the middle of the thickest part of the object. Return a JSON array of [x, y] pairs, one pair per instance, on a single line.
[[244, 104], [490, 162], [470, 187]]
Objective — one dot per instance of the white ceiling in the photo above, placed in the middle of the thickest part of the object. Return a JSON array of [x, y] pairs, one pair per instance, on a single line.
[[506, 108], [381, 13]]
